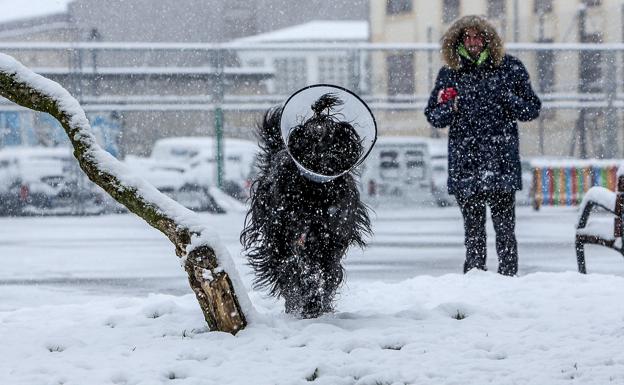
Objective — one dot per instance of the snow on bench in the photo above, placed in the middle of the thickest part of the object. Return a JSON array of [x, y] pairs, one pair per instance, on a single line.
[[604, 231]]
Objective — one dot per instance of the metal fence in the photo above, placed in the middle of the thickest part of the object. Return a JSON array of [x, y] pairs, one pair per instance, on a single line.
[[151, 90]]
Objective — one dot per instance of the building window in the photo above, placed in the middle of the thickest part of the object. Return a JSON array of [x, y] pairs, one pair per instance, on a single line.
[[400, 74], [334, 70], [546, 69], [591, 65], [389, 164], [395, 7], [496, 8], [415, 164], [450, 10], [592, 3], [542, 6], [290, 74]]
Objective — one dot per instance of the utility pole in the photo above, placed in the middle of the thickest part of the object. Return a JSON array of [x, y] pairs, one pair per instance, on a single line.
[[541, 38], [435, 133], [94, 36], [218, 114], [516, 22], [355, 72], [76, 69], [597, 74], [580, 124], [611, 117], [622, 39], [430, 58]]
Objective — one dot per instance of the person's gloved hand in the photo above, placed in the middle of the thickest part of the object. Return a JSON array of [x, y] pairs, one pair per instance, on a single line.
[[446, 94]]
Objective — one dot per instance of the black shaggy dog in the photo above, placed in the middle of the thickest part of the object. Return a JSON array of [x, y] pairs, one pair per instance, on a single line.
[[297, 230]]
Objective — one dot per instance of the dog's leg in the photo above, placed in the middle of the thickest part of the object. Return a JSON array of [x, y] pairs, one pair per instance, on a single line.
[[291, 285], [320, 272], [313, 285]]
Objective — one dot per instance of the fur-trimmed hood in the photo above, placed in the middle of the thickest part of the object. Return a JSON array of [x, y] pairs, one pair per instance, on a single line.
[[454, 35]]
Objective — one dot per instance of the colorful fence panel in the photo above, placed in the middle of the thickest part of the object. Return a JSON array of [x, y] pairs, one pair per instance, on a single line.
[[565, 185]]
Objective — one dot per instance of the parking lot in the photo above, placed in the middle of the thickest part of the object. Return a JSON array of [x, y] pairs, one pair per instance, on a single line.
[[119, 254]]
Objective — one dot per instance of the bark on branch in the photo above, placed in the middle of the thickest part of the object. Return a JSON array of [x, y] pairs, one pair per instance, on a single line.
[[209, 280]]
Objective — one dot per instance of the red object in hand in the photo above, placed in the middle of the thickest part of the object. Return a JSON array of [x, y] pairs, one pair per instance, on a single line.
[[447, 94]]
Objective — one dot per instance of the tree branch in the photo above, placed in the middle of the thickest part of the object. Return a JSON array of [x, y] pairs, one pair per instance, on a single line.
[[212, 285]]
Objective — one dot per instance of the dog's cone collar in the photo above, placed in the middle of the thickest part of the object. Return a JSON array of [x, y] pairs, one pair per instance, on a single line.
[[298, 109]]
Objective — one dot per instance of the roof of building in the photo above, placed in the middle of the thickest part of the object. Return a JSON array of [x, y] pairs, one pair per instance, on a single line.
[[18, 9], [314, 31]]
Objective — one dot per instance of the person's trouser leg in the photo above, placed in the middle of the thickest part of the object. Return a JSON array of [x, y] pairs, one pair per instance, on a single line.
[[473, 211], [503, 209]]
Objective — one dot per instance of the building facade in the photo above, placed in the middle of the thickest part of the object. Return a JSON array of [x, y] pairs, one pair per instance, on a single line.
[[581, 89], [295, 68], [147, 93], [166, 92]]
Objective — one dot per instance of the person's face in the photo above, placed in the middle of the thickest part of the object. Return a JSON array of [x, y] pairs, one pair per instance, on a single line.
[[473, 41]]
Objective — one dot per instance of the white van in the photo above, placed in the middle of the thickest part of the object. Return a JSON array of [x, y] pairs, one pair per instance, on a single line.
[[397, 171], [438, 153]]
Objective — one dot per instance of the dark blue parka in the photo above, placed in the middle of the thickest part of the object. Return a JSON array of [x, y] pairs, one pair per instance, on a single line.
[[483, 146]]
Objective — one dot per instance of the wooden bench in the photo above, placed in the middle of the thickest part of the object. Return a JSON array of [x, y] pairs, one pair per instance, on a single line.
[[604, 231]]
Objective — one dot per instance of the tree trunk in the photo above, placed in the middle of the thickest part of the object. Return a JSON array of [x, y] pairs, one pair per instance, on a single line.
[[211, 284]]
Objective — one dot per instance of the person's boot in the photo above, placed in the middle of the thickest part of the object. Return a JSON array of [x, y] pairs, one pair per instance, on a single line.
[[473, 264]]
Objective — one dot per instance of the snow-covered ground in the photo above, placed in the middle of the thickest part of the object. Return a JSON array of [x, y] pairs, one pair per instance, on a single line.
[[103, 300]]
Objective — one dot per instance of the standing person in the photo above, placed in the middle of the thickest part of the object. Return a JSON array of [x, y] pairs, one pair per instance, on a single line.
[[481, 93]]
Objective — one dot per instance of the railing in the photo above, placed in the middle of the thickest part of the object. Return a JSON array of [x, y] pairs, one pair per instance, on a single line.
[[565, 182], [154, 88], [365, 71]]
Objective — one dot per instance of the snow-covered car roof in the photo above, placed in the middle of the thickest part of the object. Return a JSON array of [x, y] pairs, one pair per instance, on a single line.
[[33, 163], [161, 174], [25, 152], [189, 147], [401, 140]]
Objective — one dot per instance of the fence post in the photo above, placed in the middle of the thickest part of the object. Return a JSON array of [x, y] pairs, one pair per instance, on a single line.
[[218, 114], [611, 118], [76, 68]]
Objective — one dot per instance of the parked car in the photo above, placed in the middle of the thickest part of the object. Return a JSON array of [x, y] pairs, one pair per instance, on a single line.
[[42, 180], [524, 197], [397, 171], [198, 153], [439, 178], [414, 170], [438, 162], [172, 179]]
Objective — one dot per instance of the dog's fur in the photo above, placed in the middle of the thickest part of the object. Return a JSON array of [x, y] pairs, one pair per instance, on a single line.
[[297, 231]]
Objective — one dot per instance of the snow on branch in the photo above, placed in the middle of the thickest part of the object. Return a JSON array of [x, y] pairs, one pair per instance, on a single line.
[[183, 228]]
